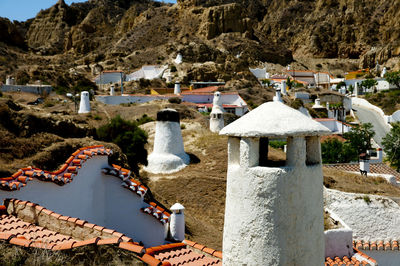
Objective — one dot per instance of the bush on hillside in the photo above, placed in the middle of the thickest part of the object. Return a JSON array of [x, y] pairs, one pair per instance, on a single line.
[[129, 137], [334, 151]]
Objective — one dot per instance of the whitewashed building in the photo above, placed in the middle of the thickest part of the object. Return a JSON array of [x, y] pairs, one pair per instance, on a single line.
[[274, 215], [147, 72], [110, 76]]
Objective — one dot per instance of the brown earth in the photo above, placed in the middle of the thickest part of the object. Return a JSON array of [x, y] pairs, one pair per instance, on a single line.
[[348, 182], [87, 255]]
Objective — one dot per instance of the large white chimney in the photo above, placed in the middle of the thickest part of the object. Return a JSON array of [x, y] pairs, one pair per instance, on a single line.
[[168, 154], [274, 215]]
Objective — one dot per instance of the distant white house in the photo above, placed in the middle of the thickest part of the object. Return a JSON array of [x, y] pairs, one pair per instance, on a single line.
[[147, 72], [231, 102], [260, 73], [384, 85], [110, 76], [335, 126]]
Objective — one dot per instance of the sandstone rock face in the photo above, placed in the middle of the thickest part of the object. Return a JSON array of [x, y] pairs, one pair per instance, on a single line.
[[10, 34], [226, 18], [131, 33], [49, 28]]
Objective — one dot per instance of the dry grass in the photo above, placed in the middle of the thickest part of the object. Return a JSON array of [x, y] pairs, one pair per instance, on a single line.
[[87, 255], [348, 182]]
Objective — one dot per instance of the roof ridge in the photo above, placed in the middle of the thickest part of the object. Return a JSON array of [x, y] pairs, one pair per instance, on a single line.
[[105, 235], [61, 176], [122, 241]]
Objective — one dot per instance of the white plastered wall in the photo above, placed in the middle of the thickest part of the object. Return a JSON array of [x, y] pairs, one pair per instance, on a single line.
[[273, 216], [96, 198]]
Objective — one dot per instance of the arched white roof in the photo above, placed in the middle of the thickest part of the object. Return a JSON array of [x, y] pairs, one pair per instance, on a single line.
[[274, 119]]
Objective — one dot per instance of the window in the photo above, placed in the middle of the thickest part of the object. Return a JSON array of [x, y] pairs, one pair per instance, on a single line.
[[272, 152]]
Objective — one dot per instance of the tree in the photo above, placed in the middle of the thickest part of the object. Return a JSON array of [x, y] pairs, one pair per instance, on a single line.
[[341, 84], [368, 83], [359, 137], [129, 137], [290, 83], [393, 78], [334, 151], [267, 82], [391, 145]]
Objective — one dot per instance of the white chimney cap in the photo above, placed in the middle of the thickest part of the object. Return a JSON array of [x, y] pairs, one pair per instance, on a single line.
[[177, 207]]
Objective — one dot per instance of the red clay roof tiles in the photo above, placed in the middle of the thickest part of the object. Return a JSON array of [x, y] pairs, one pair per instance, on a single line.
[[375, 168], [336, 261]]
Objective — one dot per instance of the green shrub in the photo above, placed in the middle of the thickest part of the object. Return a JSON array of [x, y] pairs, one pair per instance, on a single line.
[[97, 117], [144, 119], [367, 199], [129, 137], [277, 144], [173, 68], [175, 100]]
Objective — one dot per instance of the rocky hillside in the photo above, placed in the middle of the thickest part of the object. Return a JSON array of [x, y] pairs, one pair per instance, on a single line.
[[125, 34]]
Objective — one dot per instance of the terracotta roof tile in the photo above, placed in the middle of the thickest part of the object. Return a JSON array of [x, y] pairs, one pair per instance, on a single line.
[[62, 176], [26, 234], [375, 168], [131, 247], [179, 254], [109, 241], [91, 241], [366, 260], [376, 245]]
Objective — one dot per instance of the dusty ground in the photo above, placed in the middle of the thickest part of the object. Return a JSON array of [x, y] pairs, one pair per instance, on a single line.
[[348, 182]]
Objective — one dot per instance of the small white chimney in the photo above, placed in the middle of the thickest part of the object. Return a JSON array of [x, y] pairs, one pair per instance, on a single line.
[[384, 71], [283, 87], [10, 80], [177, 88], [84, 106], [356, 89], [379, 154], [277, 97], [177, 225], [112, 90], [179, 59], [364, 163]]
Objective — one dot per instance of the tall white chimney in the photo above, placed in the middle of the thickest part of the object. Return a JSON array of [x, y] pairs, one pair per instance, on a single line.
[[217, 114], [84, 106], [112, 90], [283, 87], [274, 215], [177, 88]]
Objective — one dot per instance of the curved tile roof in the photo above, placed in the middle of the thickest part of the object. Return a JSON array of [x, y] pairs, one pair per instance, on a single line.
[[70, 169]]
